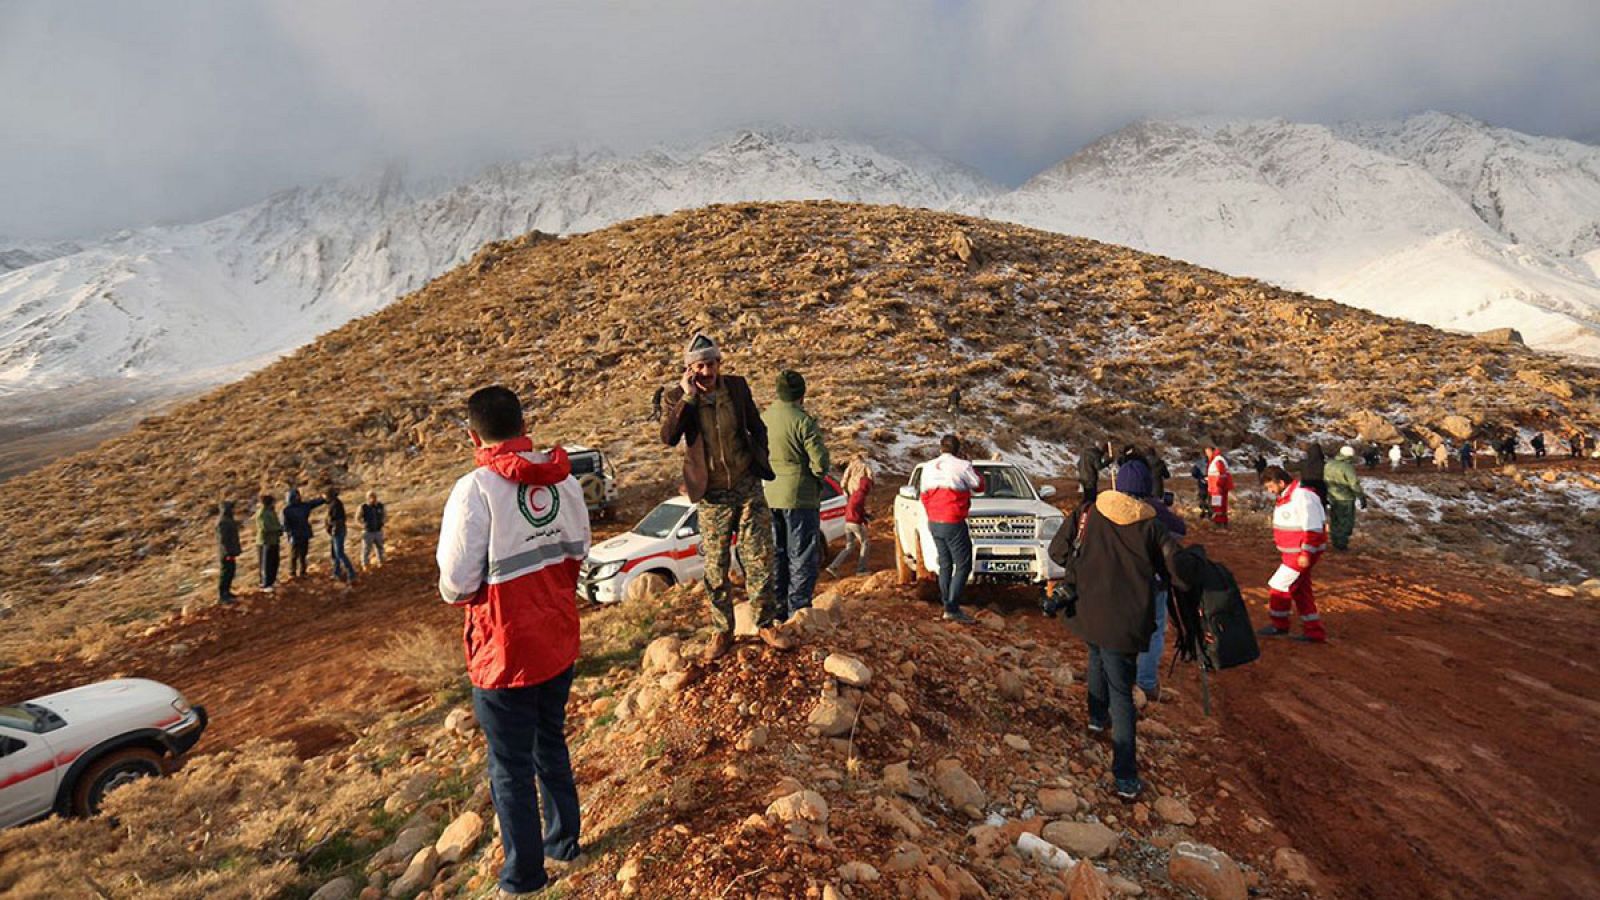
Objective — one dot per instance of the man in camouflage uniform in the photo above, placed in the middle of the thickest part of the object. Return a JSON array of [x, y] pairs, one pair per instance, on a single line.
[[1344, 491], [724, 463]]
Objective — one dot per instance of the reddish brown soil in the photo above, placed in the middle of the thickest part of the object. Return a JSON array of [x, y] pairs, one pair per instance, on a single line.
[[1443, 743]]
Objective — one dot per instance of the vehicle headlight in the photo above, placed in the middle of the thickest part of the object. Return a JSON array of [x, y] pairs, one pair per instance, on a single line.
[[1048, 526], [606, 570], [181, 705]]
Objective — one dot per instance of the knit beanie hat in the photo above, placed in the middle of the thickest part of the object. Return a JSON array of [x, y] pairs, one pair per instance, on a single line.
[[701, 349], [791, 385], [1133, 477], [1347, 450]]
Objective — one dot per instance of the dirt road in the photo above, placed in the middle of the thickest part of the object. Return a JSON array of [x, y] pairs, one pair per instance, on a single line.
[[1445, 743]]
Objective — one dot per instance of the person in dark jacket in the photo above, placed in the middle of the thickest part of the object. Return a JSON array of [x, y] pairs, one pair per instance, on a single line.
[[1313, 471], [228, 551], [1090, 462], [724, 463], [1114, 568], [1135, 480], [337, 528], [1159, 473], [269, 534], [1537, 443], [297, 523], [373, 517]]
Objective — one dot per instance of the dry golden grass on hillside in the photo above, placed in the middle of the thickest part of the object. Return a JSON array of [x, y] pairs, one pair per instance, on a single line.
[[1054, 340]]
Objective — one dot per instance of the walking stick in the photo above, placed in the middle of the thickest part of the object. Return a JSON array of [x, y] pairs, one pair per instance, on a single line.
[[1205, 688]]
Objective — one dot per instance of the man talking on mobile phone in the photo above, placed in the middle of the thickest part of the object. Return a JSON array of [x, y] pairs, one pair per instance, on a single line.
[[724, 462]]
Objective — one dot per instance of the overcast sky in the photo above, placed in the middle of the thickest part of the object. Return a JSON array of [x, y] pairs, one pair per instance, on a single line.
[[123, 112]]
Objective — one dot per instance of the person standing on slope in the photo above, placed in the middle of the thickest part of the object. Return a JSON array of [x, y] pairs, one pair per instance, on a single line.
[[1312, 471], [1395, 456], [1135, 480], [228, 551], [373, 517], [1299, 530], [799, 459], [857, 486], [1219, 484], [269, 536], [1441, 456], [724, 463], [946, 493], [1537, 443], [1344, 491], [1466, 455], [1122, 554], [1090, 462], [297, 522], [514, 533], [337, 528]]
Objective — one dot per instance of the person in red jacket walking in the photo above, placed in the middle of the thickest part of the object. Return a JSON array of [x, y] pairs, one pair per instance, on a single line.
[[946, 491], [1219, 484], [1300, 532], [514, 534], [857, 484]]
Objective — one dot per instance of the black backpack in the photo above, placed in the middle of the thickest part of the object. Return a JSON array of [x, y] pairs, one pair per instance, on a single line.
[[1214, 623]]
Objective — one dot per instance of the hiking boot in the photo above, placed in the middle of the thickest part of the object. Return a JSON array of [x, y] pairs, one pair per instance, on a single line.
[[1269, 631], [560, 867], [959, 616], [832, 572], [777, 638], [1097, 729], [718, 647], [1302, 639], [1129, 789]]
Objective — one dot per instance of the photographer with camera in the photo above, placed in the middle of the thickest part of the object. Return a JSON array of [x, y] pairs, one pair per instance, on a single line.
[[1113, 550]]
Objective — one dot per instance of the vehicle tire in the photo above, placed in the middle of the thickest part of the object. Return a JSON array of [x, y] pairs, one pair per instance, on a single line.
[[901, 567], [109, 772], [648, 586]]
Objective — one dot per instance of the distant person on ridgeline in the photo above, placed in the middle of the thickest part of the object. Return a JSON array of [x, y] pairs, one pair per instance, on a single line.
[[336, 526], [1537, 443], [269, 534], [514, 533], [1466, 455], [1259, 463], [1370, 456], [1219, 484], [297, 523], [952, 402], [857, 484], [1113, 570], [373, 517], [725, 461], [1090, 462], [1395, 456], [1202, 498], [1508, 448], [1344, 492], [1441, 455], [655, 403], [1312, 471], [1299, 530], [228, 551], [1419, 452], [799, 458], [1135, 480], [1575, 445], [946, 493]]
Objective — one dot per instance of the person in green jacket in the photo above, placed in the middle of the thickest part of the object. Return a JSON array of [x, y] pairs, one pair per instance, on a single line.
[[1344, 489], [800, 462], [268, 535]]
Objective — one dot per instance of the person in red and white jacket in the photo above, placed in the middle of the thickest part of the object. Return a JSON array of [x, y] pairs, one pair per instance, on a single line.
[[946, 491], [1219, 484], [514, 534], [1300, 532]]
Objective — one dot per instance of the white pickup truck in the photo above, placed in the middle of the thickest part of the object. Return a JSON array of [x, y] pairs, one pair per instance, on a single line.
[[65, 751], [1010, 521], [665, 546]]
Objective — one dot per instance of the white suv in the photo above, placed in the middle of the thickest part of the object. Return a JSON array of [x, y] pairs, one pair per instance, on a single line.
[[1010, 521], [666, 544], [64, 752]]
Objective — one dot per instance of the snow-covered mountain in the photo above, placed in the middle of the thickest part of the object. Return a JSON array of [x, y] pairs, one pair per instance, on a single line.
[[1436, 218], [213, 299]]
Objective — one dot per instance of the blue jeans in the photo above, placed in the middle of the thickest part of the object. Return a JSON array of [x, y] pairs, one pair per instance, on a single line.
[[526, 731], [341, 563], [1110, 685], [953, 544], [1150, 659], [797, 540]]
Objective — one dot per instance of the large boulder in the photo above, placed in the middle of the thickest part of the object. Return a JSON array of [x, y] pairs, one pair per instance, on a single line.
[[961, 790], [848, 669], [1207, 871], [1458, 427], [1369, 426], [460, 838], [1086, 839]]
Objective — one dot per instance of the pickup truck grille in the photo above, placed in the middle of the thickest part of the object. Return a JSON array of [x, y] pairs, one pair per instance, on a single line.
[[1005, 528]]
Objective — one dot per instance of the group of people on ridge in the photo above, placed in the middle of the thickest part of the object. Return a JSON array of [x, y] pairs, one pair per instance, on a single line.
[[296, 523]]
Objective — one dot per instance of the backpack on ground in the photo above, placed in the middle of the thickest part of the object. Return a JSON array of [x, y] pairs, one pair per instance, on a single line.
[[1214, 623]]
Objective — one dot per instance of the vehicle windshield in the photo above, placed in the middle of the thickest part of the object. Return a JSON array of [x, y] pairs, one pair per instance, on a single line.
[[661, 521], [584, 463], [20, 717], [1005, 483]]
